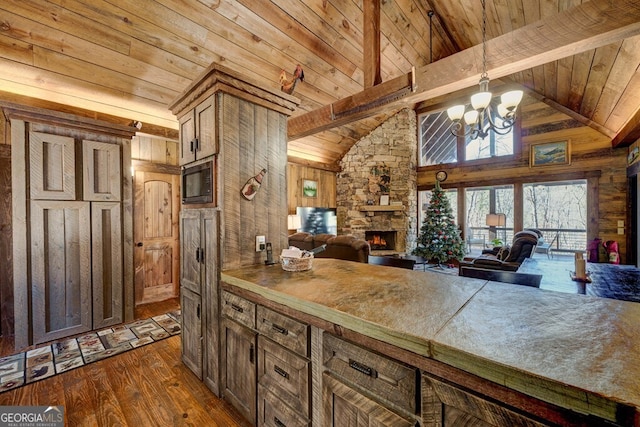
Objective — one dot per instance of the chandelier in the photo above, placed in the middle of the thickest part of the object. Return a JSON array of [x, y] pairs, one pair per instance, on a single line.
[[486, 113]]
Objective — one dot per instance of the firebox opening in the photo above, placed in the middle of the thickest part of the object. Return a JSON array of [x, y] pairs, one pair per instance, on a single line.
[[381, 240]]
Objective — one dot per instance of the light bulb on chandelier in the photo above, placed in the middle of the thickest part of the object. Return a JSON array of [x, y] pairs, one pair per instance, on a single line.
[[486, 113]]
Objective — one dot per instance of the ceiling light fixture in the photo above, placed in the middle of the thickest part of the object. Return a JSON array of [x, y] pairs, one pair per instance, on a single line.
[[485, 113]]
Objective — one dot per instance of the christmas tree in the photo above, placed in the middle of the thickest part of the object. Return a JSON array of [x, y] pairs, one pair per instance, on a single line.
[[439, 238]]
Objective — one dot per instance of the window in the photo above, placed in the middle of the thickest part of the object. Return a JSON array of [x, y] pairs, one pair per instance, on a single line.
[[558, 210], [482, 201], [439, 146], [491, 146]]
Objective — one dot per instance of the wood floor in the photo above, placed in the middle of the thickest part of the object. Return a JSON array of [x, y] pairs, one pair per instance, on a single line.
[[148, 386]]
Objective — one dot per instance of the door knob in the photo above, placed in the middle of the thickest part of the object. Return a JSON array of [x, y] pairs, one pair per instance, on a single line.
[[139, 244]]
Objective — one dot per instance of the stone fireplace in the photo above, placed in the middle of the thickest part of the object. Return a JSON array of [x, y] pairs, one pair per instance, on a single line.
[[381, 240], [391, 147]]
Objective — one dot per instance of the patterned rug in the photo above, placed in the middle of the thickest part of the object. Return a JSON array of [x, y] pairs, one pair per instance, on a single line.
[[44, 362]]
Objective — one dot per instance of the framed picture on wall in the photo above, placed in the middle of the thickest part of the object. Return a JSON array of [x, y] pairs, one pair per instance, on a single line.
[[550, 153], [309, 188]]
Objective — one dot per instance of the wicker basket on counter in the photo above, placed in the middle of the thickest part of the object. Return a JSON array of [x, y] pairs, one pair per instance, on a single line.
[[296, 264]]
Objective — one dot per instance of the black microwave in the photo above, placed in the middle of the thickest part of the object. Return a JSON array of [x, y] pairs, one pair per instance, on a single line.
[[197, 183]]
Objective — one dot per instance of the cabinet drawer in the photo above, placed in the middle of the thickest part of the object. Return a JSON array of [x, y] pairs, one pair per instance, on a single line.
[[385, 378], [285, 374], [272, 412], [284, 330], [239, 309]]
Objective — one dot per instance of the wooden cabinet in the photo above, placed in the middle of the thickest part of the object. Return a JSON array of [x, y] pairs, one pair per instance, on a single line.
[[72, 239], [199, 276], [265, 364], [60, 269], [344, 406], [238, 379], [198, 132], [191, 334]]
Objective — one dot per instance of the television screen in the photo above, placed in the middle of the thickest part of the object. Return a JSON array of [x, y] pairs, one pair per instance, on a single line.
[[318, 220]]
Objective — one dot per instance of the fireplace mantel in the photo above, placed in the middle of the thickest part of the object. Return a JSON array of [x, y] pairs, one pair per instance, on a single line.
[[372, 209]]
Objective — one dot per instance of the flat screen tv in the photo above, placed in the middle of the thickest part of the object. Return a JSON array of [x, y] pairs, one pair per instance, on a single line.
[[318, 220]]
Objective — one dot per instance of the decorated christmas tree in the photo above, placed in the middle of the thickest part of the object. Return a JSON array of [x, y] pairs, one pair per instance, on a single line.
[[439, 238]]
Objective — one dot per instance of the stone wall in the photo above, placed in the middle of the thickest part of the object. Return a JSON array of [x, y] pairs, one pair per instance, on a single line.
[[392, 145]]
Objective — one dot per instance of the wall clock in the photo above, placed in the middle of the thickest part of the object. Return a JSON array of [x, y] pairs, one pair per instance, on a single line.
[[441, 176]]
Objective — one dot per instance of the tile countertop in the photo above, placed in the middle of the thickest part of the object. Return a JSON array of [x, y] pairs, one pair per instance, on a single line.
[[575, 351]]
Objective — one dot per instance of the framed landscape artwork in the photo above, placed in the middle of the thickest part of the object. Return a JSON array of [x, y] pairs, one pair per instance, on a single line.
[[309, 188], [550, 153]]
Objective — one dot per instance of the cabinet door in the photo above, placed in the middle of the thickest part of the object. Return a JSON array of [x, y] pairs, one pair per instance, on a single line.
[[205, 116], [190, 306], [106, 244], [190, 249], [60, 269], [101, 175], [346, 407], [52, 166], [210, 294], [239, 368], [187, 138]]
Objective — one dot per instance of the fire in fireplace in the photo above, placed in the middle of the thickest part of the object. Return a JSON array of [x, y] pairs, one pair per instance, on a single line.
[[381, 240]]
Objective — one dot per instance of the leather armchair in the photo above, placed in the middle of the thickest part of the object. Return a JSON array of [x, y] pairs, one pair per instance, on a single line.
[[523, 246]]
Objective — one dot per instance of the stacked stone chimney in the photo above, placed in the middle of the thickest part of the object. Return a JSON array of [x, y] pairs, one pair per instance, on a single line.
[[392, 145]]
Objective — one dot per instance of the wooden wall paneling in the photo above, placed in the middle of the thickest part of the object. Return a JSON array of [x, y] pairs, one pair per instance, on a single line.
[[20, 234], [101, 173], [230, 178], [210, 295], [249, 158], [277, 144], [52, 166], [326, 187], [127, 231], [6, 255], [106, 264], [61, 269]]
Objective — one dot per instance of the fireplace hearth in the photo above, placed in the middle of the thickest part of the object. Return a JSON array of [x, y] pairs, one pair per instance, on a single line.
[[381, 240]]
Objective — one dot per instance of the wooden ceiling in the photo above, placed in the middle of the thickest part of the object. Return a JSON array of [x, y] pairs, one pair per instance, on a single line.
[[130, 59]]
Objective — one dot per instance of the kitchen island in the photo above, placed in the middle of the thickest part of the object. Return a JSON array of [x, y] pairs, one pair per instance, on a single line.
[[554, 357]]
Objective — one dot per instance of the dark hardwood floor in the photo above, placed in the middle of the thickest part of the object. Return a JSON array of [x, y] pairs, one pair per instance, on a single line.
[[148, 386]]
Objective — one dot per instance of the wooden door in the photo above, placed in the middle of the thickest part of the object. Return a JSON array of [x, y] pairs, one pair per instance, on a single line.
[[187, 138], [106, 272], [190, 266], [191, 334], [156, 236], [205, 116], [61, 269], [239, 368]]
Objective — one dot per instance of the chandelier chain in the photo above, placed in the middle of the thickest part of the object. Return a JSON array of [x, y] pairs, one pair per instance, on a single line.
[[484, 40]]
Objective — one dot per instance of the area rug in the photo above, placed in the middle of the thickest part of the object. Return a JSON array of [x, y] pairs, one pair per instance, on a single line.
[[44, 362]]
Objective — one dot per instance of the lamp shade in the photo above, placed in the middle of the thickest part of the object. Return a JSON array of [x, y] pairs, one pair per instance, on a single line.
[[293, 222], [456, 112], [511, 99], [496, 220], [471, 117]]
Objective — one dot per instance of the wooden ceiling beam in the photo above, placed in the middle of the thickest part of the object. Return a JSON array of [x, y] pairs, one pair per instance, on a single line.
[[371, 43], [578, 29]]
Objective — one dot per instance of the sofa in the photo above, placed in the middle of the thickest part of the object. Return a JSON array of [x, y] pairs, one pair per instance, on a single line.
[[345, 247]]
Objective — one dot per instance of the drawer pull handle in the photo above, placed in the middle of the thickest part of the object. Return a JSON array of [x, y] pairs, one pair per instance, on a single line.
[[251, 355], [363, 368], [278, 422], [278, 328], [237, 308], [281, 371]]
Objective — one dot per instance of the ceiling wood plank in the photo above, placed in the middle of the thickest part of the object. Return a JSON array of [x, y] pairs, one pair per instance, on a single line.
[[584, 27]]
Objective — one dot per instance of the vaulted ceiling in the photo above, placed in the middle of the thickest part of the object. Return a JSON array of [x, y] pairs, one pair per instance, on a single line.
[[130, 59]]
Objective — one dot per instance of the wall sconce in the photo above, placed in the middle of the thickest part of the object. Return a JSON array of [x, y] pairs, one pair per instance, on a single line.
[[293, 222]]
